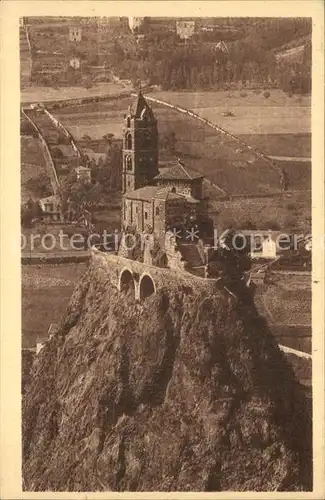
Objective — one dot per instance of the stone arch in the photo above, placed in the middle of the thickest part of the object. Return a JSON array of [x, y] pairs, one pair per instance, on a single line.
[[126, 282], [147, 286]]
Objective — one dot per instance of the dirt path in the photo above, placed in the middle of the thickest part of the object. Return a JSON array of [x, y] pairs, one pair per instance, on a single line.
[[290, 158]]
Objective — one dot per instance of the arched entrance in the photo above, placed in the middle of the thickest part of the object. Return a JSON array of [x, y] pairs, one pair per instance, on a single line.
[[146, 287], [126, 282]]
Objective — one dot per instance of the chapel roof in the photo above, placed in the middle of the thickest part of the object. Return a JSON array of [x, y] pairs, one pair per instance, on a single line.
[[179, 172], [153, 192]]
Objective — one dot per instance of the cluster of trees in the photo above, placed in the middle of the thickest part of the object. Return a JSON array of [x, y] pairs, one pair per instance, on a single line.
[[40, 185], [29, 211], [164, 60], [80, 195], [295, 76]]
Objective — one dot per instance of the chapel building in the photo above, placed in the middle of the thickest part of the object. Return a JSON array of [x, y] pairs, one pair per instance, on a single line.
[[152, 200]]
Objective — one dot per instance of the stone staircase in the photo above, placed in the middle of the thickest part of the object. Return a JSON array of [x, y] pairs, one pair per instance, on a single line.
[[194, 261]]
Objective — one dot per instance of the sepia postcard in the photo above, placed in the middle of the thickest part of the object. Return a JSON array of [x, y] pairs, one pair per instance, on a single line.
[[162, 263]]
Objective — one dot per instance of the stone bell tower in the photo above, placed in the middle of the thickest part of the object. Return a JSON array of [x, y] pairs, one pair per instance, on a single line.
[[140, 146]]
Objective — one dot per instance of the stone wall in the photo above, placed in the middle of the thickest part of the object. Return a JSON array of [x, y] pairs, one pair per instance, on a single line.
[[172, 279]]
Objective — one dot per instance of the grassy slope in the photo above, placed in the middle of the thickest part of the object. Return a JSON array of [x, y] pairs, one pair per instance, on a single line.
[[286, 305], [201, 148], [32, 164], [46, 291]]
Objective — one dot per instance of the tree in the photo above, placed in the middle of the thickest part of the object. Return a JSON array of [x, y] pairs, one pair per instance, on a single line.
[[168, 141], [86, 137], [29, 211], [232, 261], [108, 137], [79, 195], [40, 186], [57, 153]]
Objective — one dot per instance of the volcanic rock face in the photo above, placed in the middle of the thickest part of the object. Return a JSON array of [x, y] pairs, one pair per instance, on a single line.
[[180, 392]]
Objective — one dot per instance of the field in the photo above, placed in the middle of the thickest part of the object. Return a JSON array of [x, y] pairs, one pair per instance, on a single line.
[[283, 212], [297, 145], [236, 172], [32, 166], [254, 114], [43, 94], [46, 291], [286, 304]]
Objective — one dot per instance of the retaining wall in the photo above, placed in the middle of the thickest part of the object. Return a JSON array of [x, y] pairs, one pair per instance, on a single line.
[[114, 265], [47, 155], [65, 131]]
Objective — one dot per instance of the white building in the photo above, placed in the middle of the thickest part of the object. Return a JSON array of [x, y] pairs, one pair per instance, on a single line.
[[75, 34], [75, 63], [135, 23], [269, 250], [185, 29], [83, 173], [51, 208], [222, 47]]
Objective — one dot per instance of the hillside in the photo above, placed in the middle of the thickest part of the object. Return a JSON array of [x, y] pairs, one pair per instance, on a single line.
[[182, 393], [108, 50]]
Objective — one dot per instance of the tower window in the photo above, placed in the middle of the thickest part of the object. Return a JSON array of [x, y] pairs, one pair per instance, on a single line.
[[157, 210], [128, 122], [146, 215], [128, 162], [129, 141]]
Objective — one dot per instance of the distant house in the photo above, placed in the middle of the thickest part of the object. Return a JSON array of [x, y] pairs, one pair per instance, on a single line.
[[135, 23], [83, 173], [75, 34], [266, 244], [51, 208], [74, 63], [260, 244], [222, 47], [308, 243], [185, 29]]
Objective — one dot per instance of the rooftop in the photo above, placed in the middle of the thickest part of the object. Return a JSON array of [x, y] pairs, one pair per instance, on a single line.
[[50, 199], [83, 169], [179, 172], [139, 106], [153, 192]]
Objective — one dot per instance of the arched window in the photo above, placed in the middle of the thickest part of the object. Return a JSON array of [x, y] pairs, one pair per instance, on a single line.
[[157, 211], [128, 122], [129, 141], [128, 162], [173, 190]]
